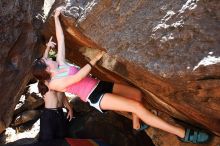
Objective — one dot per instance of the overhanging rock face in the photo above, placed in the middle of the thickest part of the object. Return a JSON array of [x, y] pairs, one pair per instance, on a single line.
[[169, 49]]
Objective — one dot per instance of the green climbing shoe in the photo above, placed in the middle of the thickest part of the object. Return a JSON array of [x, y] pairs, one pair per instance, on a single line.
[[195, 136]]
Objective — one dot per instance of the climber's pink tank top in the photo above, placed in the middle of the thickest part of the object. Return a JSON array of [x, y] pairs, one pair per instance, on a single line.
[[82, 88]]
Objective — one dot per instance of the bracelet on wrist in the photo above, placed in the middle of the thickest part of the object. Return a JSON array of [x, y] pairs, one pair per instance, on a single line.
[[90, 64]]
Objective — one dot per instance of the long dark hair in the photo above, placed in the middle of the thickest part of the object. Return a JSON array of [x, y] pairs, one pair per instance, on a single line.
[[43, 89], [38, 70]]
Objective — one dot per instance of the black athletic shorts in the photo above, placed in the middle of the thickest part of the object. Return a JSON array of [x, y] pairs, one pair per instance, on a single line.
[[96, 96], [102, 88]]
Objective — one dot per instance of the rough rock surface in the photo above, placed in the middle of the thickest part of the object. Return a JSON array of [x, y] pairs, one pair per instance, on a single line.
[[18, 41]]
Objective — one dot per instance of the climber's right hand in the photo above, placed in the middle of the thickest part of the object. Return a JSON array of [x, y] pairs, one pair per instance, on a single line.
[[58, 10]]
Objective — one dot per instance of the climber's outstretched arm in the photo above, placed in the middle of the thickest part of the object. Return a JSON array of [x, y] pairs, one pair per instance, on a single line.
[[60, 37]]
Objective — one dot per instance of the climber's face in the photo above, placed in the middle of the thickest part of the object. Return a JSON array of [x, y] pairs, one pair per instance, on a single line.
[[50, 63]]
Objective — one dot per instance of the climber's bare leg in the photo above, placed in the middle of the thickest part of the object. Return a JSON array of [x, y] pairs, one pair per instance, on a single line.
[[119, 103]]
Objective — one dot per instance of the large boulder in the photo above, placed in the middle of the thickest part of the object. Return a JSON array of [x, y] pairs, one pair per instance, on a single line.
[[18, 41], [169, 49]]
